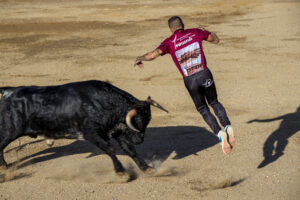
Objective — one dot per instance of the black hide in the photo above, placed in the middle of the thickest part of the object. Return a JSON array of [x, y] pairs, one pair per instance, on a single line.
[[94, 110]]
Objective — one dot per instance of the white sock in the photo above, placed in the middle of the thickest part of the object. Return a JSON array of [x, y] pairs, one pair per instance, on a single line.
[[220, 133]]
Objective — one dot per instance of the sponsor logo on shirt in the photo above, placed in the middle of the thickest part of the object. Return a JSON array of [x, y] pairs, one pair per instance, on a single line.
[[184, 42], [190, 38], [189, 58], [174, 41]]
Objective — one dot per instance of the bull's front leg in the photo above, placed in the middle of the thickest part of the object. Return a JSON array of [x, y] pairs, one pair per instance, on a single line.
[[109, 150], [129, 149], [3, 164], [4, 141]]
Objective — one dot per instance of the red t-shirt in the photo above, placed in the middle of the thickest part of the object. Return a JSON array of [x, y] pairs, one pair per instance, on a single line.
[[185, 47]]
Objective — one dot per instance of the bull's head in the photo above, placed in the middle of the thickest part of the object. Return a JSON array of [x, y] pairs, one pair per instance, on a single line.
[[139, 117]]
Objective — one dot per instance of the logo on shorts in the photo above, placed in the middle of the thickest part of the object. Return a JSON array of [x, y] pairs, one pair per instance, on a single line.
[[208, 83]]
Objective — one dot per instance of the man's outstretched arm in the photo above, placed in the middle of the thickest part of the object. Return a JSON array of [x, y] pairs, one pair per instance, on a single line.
[[213, 38], [148, 56]]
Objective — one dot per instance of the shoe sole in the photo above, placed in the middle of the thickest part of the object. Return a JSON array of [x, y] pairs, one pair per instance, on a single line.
[[229, 131], [226, 147]]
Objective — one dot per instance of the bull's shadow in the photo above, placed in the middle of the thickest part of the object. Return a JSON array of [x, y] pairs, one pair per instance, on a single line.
[[289, 126], [159, 143], [182, 140]]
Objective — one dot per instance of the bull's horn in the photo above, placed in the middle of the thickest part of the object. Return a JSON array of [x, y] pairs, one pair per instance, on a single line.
[[155, 104], [129, 116]]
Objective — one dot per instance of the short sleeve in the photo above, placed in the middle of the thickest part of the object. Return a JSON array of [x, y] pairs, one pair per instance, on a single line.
[[164, 47], [203, 34]]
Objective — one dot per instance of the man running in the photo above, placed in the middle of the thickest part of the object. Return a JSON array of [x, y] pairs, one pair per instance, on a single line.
[[185, 47]]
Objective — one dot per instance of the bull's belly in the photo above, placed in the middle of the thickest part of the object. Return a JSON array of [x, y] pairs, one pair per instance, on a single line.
[[67, 134]]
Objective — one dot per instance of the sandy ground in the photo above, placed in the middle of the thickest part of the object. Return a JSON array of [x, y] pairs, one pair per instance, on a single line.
[[255, 66]]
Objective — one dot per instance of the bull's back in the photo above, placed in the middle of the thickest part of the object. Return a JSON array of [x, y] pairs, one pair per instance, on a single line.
[[86, 91]]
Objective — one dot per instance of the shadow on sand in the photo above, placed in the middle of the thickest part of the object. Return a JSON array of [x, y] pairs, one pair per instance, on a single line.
[[289, 126], [159, 143]]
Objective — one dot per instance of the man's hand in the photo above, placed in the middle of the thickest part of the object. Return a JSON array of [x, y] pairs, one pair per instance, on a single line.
[[138, 62], [147, 57], [213, 38]]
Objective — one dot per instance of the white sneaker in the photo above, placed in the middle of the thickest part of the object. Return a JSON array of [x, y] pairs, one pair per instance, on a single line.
[[229, 131], [223, 137]]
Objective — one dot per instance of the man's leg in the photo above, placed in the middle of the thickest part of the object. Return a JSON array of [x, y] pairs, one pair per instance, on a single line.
[[198, 97], [197, 93], [212, 99]]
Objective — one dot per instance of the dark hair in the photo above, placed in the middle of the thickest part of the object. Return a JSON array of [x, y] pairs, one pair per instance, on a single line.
[[175, 22]]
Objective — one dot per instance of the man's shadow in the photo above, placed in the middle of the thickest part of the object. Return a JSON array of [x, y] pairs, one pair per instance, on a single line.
[[289, 126], [159, 143]]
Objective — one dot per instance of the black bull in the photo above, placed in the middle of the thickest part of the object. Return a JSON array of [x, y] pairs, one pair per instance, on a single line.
[[94, 110]]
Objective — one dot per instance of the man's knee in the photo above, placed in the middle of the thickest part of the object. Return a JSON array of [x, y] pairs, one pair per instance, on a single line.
[[213, 101], [203, 110]]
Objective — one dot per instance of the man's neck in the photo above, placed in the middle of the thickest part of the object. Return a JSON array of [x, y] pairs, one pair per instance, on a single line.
[[178, 29]]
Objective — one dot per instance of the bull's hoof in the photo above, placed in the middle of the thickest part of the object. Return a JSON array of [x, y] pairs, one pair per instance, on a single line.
[[124, 176], [149, 170]]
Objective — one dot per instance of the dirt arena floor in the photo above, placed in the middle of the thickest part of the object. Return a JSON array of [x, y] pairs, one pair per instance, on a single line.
[[256, 67]]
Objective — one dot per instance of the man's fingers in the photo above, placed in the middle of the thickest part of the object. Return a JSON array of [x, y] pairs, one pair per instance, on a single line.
[[140, 64], [136, 63]]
